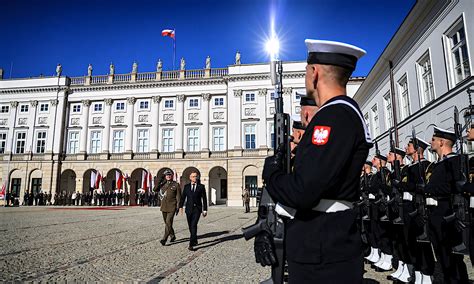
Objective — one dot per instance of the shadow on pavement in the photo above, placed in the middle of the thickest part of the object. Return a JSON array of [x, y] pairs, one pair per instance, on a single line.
[[218, 241], [204, 236]]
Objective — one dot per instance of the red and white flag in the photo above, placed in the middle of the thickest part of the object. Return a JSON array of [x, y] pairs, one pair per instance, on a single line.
[[99, 180], [2, 192], [144, 180], [118, 180], [176, 177], [151, 180], [169, 33], [93, 178]]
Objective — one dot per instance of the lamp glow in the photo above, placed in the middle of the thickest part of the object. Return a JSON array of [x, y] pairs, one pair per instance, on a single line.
[[273, 47]]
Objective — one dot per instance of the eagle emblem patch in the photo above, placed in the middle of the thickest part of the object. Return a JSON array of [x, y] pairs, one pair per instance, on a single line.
[[321, 135]]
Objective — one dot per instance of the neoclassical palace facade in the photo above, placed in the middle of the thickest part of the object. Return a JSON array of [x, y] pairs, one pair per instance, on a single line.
[[56, 131]]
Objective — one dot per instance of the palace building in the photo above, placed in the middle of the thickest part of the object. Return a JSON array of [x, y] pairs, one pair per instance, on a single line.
[[56, 131]]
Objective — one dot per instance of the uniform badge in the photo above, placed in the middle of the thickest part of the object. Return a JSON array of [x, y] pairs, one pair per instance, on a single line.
[[321, 135]]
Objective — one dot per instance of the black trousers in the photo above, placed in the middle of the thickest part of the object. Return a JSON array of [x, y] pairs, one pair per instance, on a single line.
[[350, 271], [193, 219]]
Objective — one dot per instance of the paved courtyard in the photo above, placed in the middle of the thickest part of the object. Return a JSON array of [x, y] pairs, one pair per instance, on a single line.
[[58, 244]]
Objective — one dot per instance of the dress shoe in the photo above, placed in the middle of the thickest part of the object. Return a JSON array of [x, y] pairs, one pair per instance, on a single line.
[[173, 239], [191, 248], [162, 242]]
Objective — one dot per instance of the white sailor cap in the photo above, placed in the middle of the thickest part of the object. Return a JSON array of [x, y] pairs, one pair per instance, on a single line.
[[443, 133], [421, 143], [333, 53]]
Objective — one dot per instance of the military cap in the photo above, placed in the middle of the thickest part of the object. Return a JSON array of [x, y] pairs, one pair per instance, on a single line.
[[421, 143], [443, 133], [305, 101], [369, 163], [333, 53], [297, 122], [399, 151], [381, 157], [168, 172]]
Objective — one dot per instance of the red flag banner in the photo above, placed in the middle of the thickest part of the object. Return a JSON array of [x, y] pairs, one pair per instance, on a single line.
[[169, 33]]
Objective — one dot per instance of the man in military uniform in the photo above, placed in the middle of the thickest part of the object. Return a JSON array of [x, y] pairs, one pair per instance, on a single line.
[[441, 185], [308, 109], [169, 205], [323, 241]]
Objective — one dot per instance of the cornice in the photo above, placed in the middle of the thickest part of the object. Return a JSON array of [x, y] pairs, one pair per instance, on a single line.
[[33, 90], [262, 76]]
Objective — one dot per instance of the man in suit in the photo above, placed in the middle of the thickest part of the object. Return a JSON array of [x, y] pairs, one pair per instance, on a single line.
[[196, 203]]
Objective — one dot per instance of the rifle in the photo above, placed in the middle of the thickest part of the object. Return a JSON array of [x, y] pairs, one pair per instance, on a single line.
[[420, 202], [268, 219], [459, 203], [364, 203], [383, 198], [397, 200]]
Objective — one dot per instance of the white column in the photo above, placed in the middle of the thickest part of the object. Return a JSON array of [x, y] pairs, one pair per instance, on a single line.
[[155, 115], [10, 146], [129, 131], [261, 128], [205, 122], [84, 125], [30, 136], [180, 121], [234, 126], [106, 137]]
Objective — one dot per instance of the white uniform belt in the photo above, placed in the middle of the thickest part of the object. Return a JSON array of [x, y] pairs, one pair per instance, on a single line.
[[471, 202], [331, 206], [431, 201], [407, 196], [371, 196]]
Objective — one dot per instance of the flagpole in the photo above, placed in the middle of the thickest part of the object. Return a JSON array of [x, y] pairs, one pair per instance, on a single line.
[[174, 48]]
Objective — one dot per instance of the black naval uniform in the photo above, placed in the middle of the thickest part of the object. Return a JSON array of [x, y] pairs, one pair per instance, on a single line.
[[443, 235], [321, 245]]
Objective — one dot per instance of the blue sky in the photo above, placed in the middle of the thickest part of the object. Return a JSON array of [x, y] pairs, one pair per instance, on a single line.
[[36, 35]]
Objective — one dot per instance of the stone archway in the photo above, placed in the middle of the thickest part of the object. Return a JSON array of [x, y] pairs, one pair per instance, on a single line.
[[110, 180], [217, 186], [86, 180], [184, 178], [15, 184], [135, 182], [68, 181]]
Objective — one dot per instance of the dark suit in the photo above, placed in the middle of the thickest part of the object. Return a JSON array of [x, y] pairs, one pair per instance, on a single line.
[[196, 203]]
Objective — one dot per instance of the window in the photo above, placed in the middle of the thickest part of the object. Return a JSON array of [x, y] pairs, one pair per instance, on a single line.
[[272, 135], [169, 104], [168, 140], [96, 141], [44, 107], [40, 141], [249, 131], [272, 96], [426, 79], [73, 142], [36, 185], [98, 107], [193, 139], [218, 101], [251, 184], [3, 142], [76, 108], [144, 105], [193, 103], [458, 58], [16, 186], [120, 106], [20, 142], [387, 99], [366, 119], [143, 140], [24, 108], [250, 97], [404, 98], [375, 121], [297, 96], [118, 141], [218, 138], [4, 109]]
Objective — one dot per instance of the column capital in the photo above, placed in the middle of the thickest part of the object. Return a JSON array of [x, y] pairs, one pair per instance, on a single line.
[[14, 104], [181, 98], [108, 102], [54, 102], [238, 93], [156, 99], [287, 91], [86, 103], [34, 103], [262, 92], [131, 100], [206, 96]]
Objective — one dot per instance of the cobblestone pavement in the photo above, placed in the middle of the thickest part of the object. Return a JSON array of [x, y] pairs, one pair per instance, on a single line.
[[59, 244]]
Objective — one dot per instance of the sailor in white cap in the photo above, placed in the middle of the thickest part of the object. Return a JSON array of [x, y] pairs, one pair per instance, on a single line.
[[323, 243], [439, 189]]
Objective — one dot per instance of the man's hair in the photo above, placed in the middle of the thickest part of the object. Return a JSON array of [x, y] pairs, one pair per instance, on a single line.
[[337, 74]]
